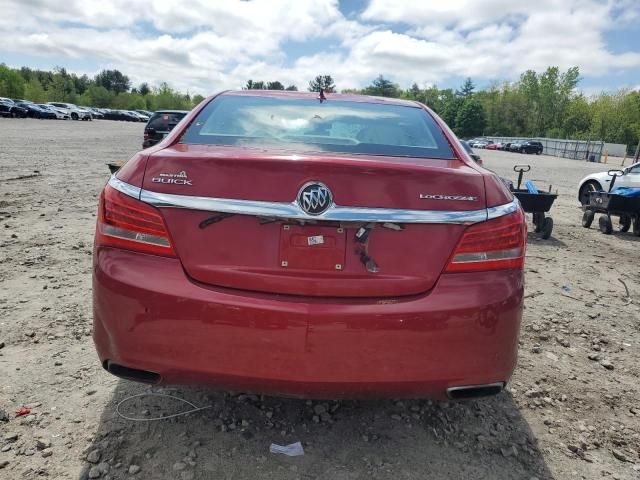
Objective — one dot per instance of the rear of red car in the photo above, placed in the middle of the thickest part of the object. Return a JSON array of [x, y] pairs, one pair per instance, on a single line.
[[287, 244]]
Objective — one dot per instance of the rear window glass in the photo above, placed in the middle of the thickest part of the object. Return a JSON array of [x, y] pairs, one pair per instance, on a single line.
[[306, 125], [165, 121]]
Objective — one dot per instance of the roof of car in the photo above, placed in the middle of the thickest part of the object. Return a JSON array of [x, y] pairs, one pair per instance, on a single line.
[[171, 111], [350, 97]]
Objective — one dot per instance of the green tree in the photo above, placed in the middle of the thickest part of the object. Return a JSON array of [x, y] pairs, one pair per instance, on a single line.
[[467, 88], [33, 91], [197, 99], [470, 118], [577, 119], [12, 84], [292, 88], [144, 89], [251, 85], [382, 87], [113, 80], [324, 82], [275, 85], [451, 103]]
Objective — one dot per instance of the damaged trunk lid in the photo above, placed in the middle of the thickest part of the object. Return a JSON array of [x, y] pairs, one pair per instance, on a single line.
[[194, 184]]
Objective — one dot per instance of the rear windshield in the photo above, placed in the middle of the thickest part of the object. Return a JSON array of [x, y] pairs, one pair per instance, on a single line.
[[306, 125], [165, 121]]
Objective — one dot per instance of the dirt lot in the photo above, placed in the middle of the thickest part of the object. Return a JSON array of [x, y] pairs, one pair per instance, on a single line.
[[571, 411]]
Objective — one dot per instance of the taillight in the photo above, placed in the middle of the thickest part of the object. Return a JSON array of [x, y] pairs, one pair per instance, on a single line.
[[125, 222], [492, 245]]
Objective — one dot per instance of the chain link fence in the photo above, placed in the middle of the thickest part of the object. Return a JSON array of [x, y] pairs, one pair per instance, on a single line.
[[587, 150]]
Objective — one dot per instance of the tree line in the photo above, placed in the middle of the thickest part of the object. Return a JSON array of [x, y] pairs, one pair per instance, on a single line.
[[538, 104], [107, 89], [546, 104]]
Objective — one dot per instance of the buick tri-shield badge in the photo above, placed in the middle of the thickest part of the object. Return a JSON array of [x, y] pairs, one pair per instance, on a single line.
[[314, 198]]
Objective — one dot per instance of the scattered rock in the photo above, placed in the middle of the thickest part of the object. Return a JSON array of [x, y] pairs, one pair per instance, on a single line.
[[133, 469], [4, 463], [607, 364], [511, 451], [319, 409], [94, 456], [43, 444], [95, 472], [573, 447], [594, 356], [178, 466], [11, 437], [620, 455], [47, 452]]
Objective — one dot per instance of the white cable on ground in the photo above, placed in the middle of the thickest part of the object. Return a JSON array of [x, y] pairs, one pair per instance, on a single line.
[[152, 394]]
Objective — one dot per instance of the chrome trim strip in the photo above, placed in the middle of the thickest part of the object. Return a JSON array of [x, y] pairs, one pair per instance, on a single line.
[[501, 210], [123, 187], [292, 211]]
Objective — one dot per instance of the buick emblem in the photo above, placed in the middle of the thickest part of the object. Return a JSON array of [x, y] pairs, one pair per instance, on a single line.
[[314, 198]]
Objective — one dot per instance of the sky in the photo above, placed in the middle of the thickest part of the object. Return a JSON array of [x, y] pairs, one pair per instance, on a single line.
[[203, 46]]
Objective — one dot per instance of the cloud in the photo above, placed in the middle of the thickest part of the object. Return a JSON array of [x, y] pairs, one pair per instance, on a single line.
[[208, 45]]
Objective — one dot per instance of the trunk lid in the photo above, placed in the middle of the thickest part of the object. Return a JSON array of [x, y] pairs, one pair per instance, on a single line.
[[315, 259]]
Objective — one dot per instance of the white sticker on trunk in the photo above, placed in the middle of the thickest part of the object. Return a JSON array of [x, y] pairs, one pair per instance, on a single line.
[[315, 240]]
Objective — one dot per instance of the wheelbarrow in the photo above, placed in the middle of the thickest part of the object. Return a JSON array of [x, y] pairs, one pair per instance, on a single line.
[[535, 202], [609, 204]]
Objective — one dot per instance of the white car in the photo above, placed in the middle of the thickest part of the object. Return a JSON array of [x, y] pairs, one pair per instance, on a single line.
[[75, 112], [602, 180], [61, 114]]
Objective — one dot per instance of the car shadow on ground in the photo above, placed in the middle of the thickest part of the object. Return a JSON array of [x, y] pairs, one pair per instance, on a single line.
[[481, 439], [535, 238]]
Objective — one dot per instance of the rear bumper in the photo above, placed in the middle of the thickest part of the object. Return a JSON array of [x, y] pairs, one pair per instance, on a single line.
[[149, 315]]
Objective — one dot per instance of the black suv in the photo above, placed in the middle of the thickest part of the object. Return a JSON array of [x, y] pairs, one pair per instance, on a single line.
[[530, 147], [160, 124]]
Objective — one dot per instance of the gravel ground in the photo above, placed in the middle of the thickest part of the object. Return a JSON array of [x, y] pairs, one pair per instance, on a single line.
[[571, 410]]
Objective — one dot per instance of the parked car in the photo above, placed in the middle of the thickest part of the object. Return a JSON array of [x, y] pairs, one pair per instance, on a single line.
[[95, 113], [9, 109], [493, 146], [141, 117], [121, 115], [59, 113], [471, 153], [482, 143], [160, 124], [515, 146], [75, 112], [472, 142], [36, 111], [528, 146], [281, 244], [505, 146], [601, 181], [145, 112]]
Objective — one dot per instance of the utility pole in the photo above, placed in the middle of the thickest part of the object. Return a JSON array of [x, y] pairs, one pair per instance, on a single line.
[[637, 155]]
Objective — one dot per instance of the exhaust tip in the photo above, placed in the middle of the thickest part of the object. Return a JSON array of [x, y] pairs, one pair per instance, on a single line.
[[475, 391], [142, 376]]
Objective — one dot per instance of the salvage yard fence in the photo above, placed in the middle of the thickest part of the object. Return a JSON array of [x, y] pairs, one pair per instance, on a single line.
[[588, 150]]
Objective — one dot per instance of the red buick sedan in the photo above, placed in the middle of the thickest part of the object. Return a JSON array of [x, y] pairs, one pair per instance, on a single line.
[[315, 246]]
